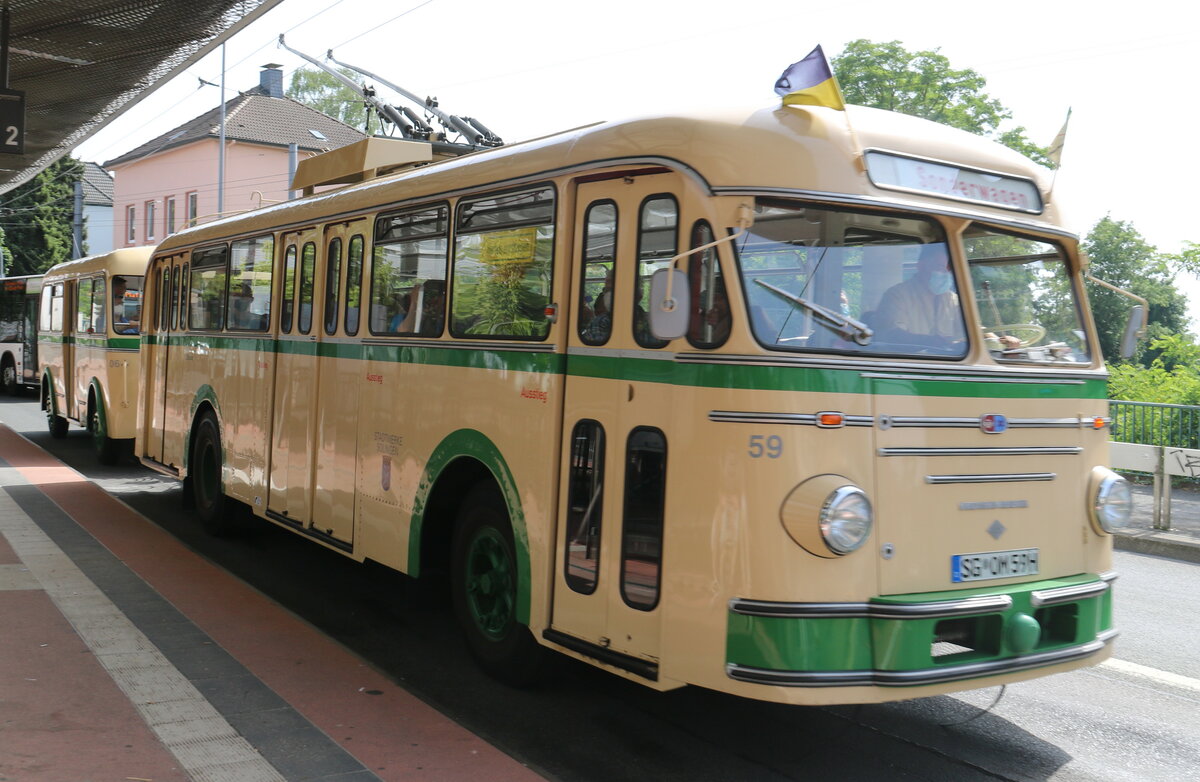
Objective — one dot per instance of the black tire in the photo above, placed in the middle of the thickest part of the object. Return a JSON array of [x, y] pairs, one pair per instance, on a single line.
[[204, 468], [8, 377], [485, 588], [55, 423], [107, 449]]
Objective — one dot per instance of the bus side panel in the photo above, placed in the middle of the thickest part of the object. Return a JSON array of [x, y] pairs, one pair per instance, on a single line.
[[245, 398]]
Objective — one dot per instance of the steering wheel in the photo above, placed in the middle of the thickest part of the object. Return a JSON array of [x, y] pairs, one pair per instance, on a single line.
[[1028, 333]]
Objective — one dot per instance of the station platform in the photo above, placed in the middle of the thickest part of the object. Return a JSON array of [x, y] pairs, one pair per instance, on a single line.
[[125, 656]]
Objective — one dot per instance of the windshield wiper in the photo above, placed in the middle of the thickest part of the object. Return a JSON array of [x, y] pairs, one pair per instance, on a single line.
[[845, 325]]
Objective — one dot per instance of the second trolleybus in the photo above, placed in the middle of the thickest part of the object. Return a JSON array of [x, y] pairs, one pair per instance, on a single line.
[[747, 401]]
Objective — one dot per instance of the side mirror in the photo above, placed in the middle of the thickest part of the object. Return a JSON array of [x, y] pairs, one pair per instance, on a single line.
[[1134, 329], [670, 304]]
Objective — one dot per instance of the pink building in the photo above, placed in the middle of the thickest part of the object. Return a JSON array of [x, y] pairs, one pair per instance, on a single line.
[[171, 181]]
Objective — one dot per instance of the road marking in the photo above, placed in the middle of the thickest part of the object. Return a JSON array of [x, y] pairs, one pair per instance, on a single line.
[[206, 746], [1163, 677]]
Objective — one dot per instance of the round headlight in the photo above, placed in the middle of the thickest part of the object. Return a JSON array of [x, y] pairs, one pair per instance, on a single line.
[[1113, 503], [845, 519]]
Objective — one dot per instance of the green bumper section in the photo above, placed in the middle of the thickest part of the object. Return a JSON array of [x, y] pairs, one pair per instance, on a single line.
[[917, 639]]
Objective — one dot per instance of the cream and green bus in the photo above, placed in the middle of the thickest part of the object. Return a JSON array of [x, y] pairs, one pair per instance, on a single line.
[[88, 347], [748, 401]]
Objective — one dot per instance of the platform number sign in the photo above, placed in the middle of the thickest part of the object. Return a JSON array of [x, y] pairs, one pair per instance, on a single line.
[[12, 122]]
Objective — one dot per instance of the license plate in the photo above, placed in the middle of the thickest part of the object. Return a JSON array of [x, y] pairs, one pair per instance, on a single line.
[[994, 564]]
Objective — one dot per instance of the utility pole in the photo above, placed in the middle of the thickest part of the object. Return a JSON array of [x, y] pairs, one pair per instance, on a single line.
[[221, 153]]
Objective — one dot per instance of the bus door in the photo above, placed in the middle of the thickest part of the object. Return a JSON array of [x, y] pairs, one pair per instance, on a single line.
[[608, 578], [166, 275], [292, 419], [338, 380]]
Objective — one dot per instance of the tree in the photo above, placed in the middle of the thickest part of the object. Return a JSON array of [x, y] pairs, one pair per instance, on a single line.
[[37, 218], [1121, 256], [922, 84], [321, 91]]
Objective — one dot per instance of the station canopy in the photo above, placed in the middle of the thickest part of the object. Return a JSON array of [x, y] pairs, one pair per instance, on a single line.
[[81, 63]]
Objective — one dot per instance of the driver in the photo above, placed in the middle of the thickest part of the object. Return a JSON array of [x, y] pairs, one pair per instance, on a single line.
[[924, 309]]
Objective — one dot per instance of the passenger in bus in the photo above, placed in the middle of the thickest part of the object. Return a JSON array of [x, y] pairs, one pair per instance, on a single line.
[[121, 323], [240, 316], [923, 310], [428, 299]]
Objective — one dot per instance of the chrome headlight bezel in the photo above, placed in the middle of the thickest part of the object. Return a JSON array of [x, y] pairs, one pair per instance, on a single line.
[[846, 520], [1111, 501]]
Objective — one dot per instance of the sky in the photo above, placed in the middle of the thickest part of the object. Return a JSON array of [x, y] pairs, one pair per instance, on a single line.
[[527, 68]]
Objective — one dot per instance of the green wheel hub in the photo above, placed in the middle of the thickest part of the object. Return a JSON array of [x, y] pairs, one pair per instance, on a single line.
[[490, 583]]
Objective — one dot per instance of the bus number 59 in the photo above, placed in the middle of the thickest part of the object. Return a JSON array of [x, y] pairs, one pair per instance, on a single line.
[[770, 446]]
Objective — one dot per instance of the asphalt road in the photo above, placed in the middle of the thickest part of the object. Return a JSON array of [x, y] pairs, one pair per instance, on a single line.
[[1134, 718]]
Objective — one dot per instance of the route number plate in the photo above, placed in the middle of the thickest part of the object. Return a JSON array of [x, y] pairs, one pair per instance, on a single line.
[[994, 564]]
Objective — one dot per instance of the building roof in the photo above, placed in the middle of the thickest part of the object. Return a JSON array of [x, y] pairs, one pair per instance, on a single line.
[[81, 64], [97, 185], [254, 117]]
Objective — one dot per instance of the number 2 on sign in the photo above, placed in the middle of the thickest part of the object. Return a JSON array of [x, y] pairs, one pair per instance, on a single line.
[[770, 446]]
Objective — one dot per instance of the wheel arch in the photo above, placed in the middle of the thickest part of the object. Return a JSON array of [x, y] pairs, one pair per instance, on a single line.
[[204, 402], [462, 459]]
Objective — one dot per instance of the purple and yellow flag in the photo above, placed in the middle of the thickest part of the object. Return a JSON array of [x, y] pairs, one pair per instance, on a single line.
[[810, 82]]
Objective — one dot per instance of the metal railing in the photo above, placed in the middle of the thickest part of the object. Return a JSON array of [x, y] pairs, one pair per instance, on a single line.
[[1151, 423]]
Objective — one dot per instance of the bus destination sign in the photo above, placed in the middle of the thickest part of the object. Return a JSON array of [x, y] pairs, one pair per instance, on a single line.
[[945, 180]]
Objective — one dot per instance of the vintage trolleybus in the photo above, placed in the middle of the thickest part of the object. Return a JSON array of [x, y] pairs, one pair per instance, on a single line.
[[752, 401], [88, 335]]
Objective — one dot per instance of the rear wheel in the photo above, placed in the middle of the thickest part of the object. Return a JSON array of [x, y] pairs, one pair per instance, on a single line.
[[8, 376], [485, 588], [107, 449], [205, 469], [55, 423]]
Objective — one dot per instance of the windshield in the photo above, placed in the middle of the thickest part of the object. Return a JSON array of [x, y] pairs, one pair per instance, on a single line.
[[1026, 300], [850, 281]]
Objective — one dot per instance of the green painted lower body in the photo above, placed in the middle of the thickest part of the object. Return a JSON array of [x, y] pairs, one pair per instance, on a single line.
[[869, 647]]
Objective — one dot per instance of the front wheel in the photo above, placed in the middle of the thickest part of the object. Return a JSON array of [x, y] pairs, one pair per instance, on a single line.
[[485, 588], [205, 468]]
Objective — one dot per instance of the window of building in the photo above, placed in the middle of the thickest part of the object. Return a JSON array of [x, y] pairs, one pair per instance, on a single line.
[[131, 224], [150, 219], [169, 214], [193, 207]]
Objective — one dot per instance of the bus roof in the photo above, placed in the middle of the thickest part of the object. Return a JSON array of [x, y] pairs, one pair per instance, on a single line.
[[802, 149], [124, 260]]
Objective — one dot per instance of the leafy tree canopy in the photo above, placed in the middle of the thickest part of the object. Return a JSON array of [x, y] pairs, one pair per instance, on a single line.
[[321, 91], [37, 218], [1121, 256], [922, 84]]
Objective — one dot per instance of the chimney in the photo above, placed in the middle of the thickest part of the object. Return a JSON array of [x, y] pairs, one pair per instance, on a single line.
[[270, 80]]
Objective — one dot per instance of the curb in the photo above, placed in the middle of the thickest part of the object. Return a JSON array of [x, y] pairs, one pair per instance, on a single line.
[[1159, 544]]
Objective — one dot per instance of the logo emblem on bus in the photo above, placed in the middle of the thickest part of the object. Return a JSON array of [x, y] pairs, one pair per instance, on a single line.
[[993, 423]]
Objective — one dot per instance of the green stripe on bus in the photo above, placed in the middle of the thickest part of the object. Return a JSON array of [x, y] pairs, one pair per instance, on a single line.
[[666, 371], [118, 343]]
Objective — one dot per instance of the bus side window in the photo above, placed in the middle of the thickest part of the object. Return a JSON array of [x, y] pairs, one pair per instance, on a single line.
[[250, 283], [504, 265], [585, 507], [163, 316], [289, 290], [599, 267], [333, 283], [354, 264], [711, 319], [57, 307], [174, 293], [657, 243], [83, 306], [183, 297], [642, 528], [308, 263], [210, 271], [408, 272], [100, 303]]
